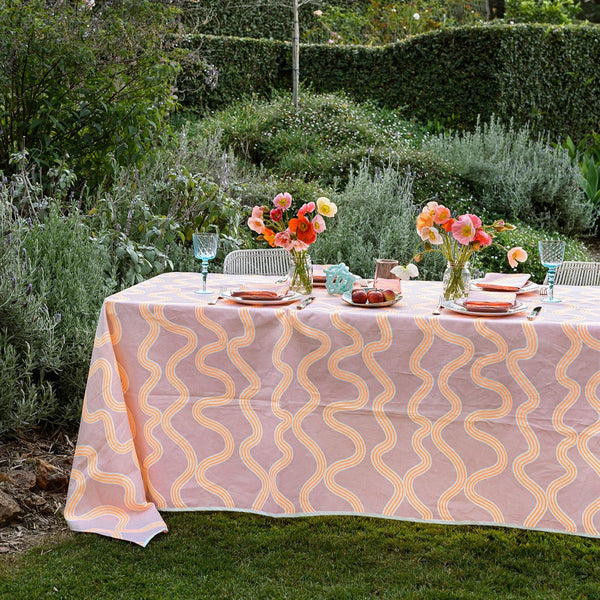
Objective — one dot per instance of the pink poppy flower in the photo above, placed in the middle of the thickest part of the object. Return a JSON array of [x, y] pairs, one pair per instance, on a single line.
[[309, 207], [431, 235], [475, 220], [430, 207], [319, 223], [463, 230], [283, 201], [256, 224], [516, 255], [298, 245], [257, 212], [283, 239]]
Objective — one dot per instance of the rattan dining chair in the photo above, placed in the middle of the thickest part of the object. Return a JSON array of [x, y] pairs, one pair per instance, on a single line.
[[263, 261], [573, 272]]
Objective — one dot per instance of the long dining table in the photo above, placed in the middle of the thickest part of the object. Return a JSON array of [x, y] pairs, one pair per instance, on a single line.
[[389, 412]]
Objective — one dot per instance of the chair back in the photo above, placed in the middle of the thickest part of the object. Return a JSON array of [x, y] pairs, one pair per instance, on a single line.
[[573, 272], [262, 261]]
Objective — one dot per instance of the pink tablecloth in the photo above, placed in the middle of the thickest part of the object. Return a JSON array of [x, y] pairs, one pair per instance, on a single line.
[[334, 409]]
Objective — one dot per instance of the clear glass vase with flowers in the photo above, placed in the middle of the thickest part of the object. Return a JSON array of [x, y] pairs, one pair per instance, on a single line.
[[457, 239], [295, 230]]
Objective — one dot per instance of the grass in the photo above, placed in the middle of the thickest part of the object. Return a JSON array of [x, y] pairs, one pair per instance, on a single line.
[[239, 555]]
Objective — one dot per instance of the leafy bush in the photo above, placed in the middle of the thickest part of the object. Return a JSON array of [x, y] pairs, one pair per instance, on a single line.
[[82, 85], [378, 23], [53, 280], [494, 259], [517, 178], [325, 138], [376, 219], [558, 12], [71, 273], [146, 219], [586, 157]]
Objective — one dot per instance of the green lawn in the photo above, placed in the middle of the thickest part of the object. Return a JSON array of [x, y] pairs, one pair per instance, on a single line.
[[237, 555]]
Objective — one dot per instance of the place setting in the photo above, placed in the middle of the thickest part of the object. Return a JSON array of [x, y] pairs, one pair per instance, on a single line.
[[263, 296], [487, 303]]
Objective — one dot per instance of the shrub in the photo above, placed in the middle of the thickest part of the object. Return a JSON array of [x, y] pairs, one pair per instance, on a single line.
[[376, 219], [515, 177], [493, 259], [325, 138], [558, 12], [379, 23], [71, 273], [52, 284], [586, 157], [146, 219], [82, 85]]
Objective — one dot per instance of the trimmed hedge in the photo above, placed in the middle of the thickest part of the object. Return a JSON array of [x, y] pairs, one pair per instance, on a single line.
[[544, 76], [255, 18]]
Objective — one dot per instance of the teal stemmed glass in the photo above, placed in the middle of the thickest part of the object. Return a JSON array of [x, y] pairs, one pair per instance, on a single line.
[[552, 253], [205, 249]]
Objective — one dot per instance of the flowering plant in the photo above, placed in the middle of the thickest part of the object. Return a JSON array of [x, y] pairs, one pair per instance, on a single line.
[[295, 231], [458, 238]]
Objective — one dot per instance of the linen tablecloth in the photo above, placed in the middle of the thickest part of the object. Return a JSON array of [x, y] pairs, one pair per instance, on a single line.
[[336, 409]]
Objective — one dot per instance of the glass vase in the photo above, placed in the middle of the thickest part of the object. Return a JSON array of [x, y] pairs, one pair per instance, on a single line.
[[456, 281], [300, 273]]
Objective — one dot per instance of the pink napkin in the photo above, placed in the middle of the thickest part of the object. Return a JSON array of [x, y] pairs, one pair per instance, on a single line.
[[506, 282], [262, 295], [489, 301]]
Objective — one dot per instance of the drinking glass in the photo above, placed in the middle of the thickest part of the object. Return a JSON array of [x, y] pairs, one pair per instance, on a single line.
[[384, 278], [552, 253], [205, 249]]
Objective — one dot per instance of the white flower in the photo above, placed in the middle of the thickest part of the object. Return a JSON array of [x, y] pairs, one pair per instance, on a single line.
[[318, 13], [89, 3], [406, 272], [326, 207], [416, 16]]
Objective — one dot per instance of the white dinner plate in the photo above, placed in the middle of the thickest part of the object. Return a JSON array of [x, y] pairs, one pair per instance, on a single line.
[[347, 297], [287, 299], [459, 308], [530, 286]]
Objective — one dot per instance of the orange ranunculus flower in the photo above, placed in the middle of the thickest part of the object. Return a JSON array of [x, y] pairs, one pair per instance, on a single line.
[[303, 229], [269, 236]]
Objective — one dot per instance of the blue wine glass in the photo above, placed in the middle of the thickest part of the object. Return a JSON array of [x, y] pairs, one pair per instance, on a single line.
[[205, 249], [552, 253]]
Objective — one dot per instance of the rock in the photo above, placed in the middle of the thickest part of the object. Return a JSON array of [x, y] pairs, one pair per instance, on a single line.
[[50, 478], [10, 511], [23, 479]]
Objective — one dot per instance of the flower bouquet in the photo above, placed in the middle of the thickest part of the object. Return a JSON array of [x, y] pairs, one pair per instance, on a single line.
[[457, 239], [295, 231]]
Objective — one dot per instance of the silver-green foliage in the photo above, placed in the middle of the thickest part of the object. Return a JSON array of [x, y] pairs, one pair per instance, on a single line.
[[375, 219], [146, 219], [517, 177], [53, 279]]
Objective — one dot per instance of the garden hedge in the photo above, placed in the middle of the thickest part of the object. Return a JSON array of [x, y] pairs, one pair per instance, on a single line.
[[255, 18], [544, 76]]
